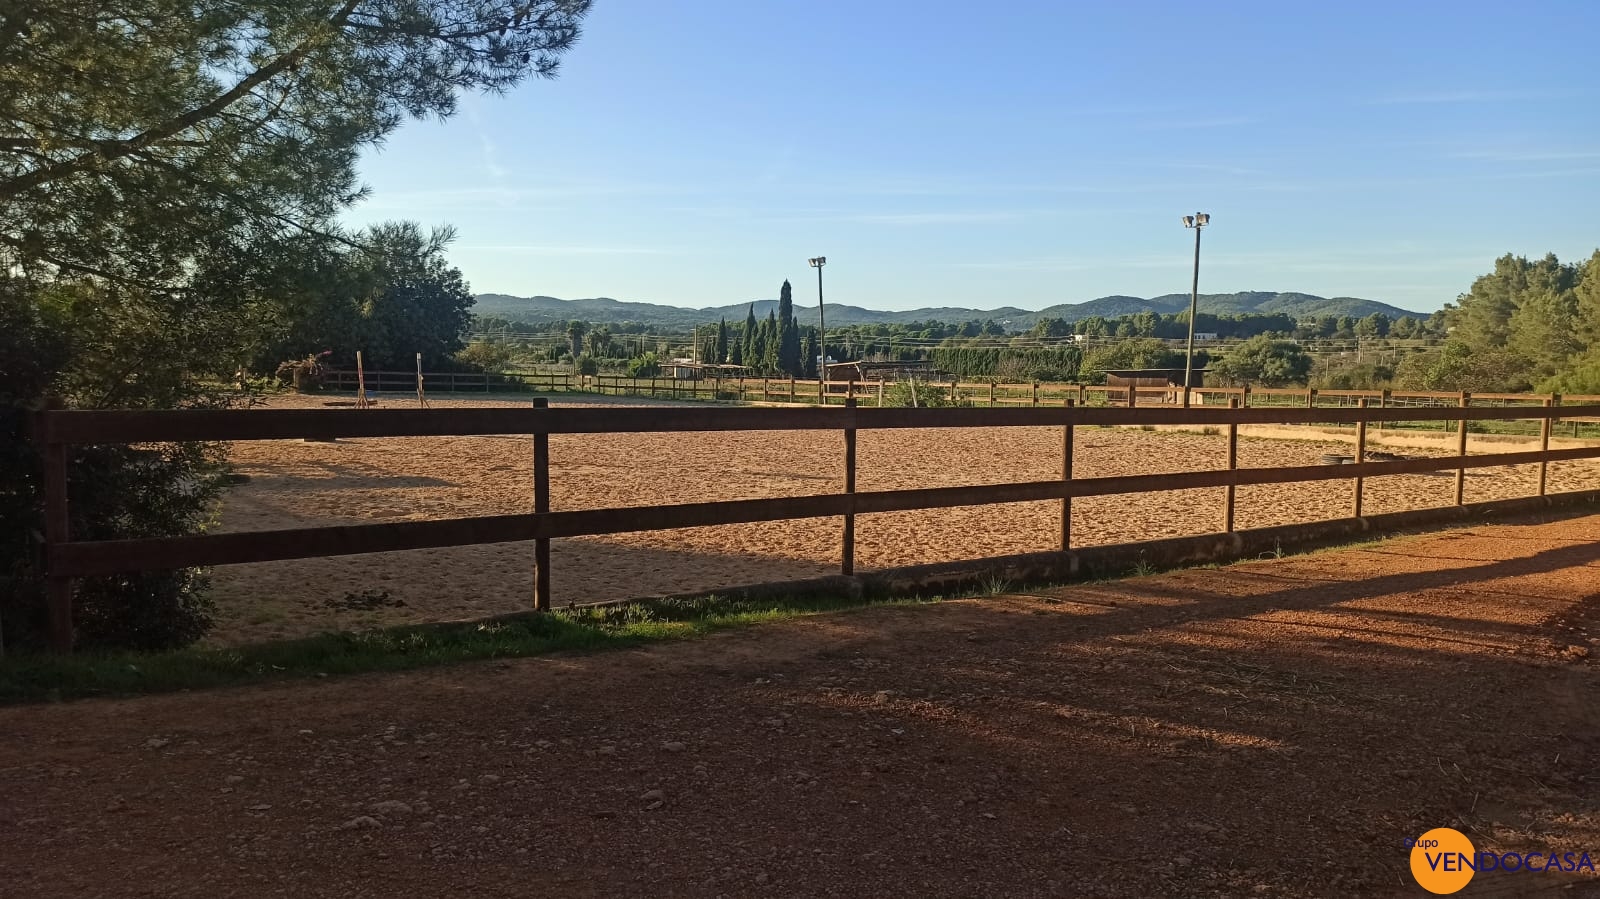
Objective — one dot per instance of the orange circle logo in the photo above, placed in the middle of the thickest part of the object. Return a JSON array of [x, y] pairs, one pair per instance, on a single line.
[[1443, 860]]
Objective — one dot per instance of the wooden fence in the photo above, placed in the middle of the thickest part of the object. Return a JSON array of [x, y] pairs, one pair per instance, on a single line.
[[67, 560], [871, 393]]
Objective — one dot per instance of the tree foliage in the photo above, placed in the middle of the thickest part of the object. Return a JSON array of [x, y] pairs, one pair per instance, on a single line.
[[171, 175], [1526, 324], [1264, 361]]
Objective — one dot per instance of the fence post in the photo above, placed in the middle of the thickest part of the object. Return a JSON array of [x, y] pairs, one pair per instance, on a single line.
[[991, 394], [955, 393], [1036, 394], [1544, 439], [1244, 396], [880, 392], [1082, 398], [1133, 395], [541, 503], [1361, 457], [1311, 397], [1233, 465], [847, 555], [1066, 475], [1461, 450], [791, 388], [57, 530]]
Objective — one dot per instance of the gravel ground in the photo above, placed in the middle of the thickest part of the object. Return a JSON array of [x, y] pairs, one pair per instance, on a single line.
[[1268, 729]]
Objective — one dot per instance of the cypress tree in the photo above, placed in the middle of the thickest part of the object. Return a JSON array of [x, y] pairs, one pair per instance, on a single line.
[[808, 353], [788, 333], [721, 350], [752, 356], [770, 348]]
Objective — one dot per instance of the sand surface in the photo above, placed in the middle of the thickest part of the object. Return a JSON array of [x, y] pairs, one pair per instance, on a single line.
[[301, 484], [1268, 730]]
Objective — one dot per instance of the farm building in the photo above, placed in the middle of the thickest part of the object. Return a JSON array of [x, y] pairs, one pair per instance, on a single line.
[[1170, 379], [1151, 377]]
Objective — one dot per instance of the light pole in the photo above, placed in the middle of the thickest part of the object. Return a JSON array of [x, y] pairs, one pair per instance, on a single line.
[[1197, 221], [817, 262]]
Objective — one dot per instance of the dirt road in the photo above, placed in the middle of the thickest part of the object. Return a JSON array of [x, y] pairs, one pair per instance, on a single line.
[[1269, 729]]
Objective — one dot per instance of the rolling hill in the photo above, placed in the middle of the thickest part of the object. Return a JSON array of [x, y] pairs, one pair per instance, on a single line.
[[607, 310]]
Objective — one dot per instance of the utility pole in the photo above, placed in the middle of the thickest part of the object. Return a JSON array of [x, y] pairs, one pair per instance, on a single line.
[[817, 262], [1197, 221]]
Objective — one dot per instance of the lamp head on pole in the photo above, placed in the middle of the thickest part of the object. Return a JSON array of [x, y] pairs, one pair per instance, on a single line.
[[1198, 220], [818, 261]]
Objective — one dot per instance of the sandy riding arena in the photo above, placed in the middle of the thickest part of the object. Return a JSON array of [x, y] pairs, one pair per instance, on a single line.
[[299, 484]]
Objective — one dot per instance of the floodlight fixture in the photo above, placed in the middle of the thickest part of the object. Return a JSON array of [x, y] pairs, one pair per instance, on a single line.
[[818, 261]]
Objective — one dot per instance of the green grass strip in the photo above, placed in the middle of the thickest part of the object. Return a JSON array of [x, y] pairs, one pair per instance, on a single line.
[[37, 677]]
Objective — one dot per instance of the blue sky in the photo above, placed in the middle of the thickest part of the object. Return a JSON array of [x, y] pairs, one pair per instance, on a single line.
[[1024, 154]]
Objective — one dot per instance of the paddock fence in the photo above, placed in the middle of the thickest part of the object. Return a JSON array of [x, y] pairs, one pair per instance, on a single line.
[[67, 560], [981, 394]]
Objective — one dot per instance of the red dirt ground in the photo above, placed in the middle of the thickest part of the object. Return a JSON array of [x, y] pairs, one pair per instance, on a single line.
[[1274, 728]]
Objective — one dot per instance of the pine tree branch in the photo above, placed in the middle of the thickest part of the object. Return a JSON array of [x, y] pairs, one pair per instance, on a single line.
[[117, 149]]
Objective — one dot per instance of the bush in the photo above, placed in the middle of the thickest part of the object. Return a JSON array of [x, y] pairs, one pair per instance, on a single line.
[[1458, 367], [926, 395], [114, 491], [646, 366], [482, 355], [586, 365], [1137, 353], [1264, 361]]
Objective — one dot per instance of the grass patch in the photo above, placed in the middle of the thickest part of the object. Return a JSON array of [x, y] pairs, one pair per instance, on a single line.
[[44, 678]]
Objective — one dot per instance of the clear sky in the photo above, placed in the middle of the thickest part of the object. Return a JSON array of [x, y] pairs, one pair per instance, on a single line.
[[1024, 153]]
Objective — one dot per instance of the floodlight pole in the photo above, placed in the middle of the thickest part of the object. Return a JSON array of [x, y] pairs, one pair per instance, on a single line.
[[1197, 221], [822, 334]]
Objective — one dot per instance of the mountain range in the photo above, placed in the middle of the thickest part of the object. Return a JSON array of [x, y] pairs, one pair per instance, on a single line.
[[604, 310]]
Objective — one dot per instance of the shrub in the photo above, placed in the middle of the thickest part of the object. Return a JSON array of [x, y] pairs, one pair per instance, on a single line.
[[646, 366], [114, 491], [482, 355], [922, 394], [586, 365], [1265, 361]]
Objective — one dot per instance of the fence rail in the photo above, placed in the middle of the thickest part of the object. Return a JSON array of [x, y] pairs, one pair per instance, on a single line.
[[67, 560], [872, 393]]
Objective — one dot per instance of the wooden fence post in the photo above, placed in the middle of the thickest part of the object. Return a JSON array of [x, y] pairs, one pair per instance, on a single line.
[[955, 393], [991, 394], [541, 503], [1311, 397], [1544, 439], [1244, 396], [791, 388], [1361, 458], [880, 392], [1036, 394], [847, 555], [1082, 399], [1133, 396], [1461, 450], [1066, 475], [1233, 465], [57, 530]]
